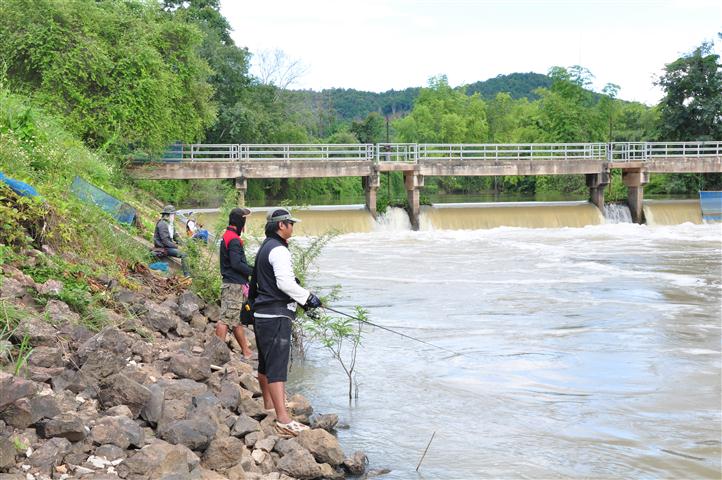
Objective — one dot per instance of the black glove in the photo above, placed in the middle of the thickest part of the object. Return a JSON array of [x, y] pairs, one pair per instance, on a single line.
[[312, 302]]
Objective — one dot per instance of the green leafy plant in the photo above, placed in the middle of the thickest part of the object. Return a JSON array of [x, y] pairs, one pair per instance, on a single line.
[[341, 336], [16, 355]]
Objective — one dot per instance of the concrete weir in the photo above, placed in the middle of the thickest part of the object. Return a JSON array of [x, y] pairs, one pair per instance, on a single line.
[[637, 160]]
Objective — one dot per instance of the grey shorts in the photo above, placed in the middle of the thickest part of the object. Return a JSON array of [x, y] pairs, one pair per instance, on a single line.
[[273, 340]]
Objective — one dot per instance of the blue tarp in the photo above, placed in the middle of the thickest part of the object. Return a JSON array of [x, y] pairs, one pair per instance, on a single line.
[[711, 203], [21, 188], [122, 212]]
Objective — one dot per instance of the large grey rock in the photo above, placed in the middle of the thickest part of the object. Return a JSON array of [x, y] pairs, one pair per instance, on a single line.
[[44, 407], [189, 299], [198, 322], [50, 454], [223, 453], [299, 464], [110, 452], [186, 365], [13, 388], [97, 365], [153, 409], [18, 414], [252, 408], [285, 446], [217, 351], [37, 331], [212, 312], [356, 465], [183, 389], [327, 422], [51, 287], [121, 390], [7, 454], [229, 395], [299, 406], [58, 312], [132, 301], [245, 425], [120, 431], [160, 459], [195, 433], [11, 288], [323, 446], [159, 318], [109, 339], [46, 357], [250, 383], [65, 425]]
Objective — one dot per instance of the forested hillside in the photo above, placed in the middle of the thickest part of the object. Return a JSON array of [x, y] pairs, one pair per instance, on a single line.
[[350, 104]]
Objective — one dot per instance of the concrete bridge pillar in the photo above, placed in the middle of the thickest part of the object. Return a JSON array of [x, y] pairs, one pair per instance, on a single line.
[[414, 181], [241, 187], [371, 186], [596, 183], [635, 179]]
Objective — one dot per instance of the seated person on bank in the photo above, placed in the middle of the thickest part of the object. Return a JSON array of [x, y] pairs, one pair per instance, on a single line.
[[166, 240], [195, 230]]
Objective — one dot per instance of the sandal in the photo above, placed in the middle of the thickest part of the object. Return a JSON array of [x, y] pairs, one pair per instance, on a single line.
[[290, 429]]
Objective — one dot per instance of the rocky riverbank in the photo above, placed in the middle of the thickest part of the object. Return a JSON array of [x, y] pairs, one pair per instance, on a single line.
[[154, 395]]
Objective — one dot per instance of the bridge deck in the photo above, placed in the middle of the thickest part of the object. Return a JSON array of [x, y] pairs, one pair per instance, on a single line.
[[340, 160]]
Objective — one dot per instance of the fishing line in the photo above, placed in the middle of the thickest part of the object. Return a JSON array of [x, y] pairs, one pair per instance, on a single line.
[[389, 330]]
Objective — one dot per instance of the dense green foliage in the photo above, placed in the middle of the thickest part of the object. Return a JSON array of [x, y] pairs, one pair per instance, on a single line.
[[120, 73]]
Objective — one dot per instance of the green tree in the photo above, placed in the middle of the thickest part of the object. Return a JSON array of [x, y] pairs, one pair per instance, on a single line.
[[444, 115], [692, 105], [566, 112], [120, 73], [370, 130]]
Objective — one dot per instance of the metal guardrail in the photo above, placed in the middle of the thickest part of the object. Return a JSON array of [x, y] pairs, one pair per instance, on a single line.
[[527, 151], [414, 153], [338, 152], [641, 151], [396, 152]]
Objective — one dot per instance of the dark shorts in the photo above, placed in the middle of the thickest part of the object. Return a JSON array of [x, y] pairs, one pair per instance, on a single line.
[[273, 340]]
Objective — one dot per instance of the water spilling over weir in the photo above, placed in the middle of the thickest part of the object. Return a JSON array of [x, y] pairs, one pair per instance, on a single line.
[[317, 220]]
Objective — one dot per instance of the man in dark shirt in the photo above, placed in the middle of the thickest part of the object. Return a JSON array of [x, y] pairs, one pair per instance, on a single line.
[[276, 295], [166, 239], [235, 272]]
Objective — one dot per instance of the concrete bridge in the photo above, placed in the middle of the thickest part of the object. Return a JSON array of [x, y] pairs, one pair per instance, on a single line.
[[637, 160]]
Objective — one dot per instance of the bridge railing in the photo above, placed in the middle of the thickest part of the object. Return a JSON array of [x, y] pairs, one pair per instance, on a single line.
[[201, 152], [298, 152], [517, 151], [641, 151], [413, 153], [396, 152]]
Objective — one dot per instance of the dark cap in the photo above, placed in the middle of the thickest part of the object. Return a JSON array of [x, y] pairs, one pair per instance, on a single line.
[[281, 215], [168, 209], [240, 211]]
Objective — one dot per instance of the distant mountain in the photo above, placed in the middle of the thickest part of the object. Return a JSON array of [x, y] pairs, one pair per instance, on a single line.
[[518, 85], [349, 104]]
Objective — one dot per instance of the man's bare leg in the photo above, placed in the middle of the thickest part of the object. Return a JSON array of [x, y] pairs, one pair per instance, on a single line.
[[263, 382], [278, 396], [221, 331], [242, 341]]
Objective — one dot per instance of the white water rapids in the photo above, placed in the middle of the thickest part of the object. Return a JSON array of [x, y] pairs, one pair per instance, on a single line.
[[589, 352]]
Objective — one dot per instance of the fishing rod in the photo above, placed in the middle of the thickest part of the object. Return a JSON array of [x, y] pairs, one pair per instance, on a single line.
[[389, 330]]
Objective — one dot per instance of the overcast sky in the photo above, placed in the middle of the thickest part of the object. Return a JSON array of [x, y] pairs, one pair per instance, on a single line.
[[377, 45]]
